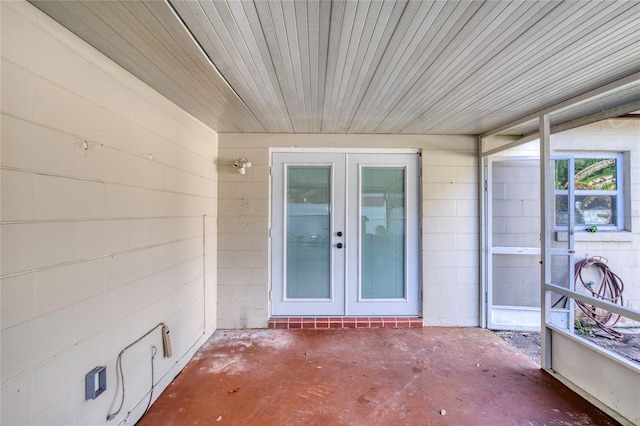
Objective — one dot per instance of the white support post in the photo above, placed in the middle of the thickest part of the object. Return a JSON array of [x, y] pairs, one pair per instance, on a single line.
[[482, 194], [546, 224]]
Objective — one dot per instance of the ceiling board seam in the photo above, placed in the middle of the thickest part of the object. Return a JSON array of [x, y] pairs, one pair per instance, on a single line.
[[144, 75], [505, 83], [481, 64], [201, 71], [298, 76], [582, 98], [520, 76], [356, 109], [342, 53], [282, 44], [324, 43], [201, 48], [489, 74], [442, 68], [271, 58], [441, 80], [449, 35], [570, 86], [312, 119], [402, 82], [326, 72], [368, 63], [295, 80], [308, 39], [348, 69], [235, 56], [267, 82], [525, 106], [192, 36], [283, 91], [389, 69]]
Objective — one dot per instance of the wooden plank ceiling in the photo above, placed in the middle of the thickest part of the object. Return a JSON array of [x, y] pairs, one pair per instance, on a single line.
[[415, 67]]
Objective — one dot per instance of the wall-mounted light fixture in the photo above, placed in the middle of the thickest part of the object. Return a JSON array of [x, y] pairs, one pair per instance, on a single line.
[[241, 164]]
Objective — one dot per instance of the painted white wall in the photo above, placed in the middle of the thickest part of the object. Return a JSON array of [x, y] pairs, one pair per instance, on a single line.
[[449, 223], [99, 244], [608, 381]]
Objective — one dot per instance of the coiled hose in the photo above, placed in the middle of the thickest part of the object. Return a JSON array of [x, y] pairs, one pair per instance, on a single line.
[[610, 289]]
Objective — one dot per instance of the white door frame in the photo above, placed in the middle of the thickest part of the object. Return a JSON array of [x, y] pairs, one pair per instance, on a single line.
[[499, 317], [276, 262]]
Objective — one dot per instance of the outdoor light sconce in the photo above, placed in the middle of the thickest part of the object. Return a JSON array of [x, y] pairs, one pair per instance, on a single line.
[[240, 164]]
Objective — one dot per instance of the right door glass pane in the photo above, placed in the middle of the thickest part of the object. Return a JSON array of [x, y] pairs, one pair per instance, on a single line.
[[382, 221], [308, 231]]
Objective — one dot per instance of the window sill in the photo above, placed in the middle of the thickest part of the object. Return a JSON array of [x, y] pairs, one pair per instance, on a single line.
[[600, 236]]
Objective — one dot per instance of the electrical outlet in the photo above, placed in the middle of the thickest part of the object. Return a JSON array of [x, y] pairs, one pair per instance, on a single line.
[[95, 382]]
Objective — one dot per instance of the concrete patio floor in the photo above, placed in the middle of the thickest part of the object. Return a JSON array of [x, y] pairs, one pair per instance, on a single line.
[[413, 376]]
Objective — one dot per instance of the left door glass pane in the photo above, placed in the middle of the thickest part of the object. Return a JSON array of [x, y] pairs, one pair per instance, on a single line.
[[308, 232]]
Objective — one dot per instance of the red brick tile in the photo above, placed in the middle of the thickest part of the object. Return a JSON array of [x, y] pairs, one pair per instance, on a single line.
[[390, 322], [349, 323], [416, 323], [363, 323], [376, 322], [295, 321], [343, 322], [335, 323]]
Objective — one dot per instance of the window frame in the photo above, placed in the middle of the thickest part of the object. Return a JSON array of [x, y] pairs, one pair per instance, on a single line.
[[572, 193]]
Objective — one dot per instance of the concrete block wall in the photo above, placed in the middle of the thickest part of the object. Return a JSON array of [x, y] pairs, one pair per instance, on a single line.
[[449, 223], [108, 227]]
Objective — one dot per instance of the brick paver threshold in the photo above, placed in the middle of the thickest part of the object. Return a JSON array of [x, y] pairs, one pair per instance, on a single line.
[[323, 323]]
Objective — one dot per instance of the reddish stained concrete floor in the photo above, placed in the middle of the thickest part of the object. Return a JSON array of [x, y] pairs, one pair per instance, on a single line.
[[366, 377]]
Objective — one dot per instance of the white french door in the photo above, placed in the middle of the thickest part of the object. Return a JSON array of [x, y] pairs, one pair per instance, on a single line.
[[344, 234]]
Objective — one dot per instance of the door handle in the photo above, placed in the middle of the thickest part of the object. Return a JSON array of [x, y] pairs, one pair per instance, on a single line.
[[339, 234], [339, 245]]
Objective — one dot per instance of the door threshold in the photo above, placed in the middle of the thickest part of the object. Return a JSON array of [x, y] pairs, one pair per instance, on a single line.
[[325, 323]]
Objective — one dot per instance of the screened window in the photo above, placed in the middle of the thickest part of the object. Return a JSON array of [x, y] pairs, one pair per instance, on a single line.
[[591, 185]]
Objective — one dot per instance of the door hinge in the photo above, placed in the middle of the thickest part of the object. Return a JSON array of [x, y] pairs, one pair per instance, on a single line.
[[269, 294], [486, 186]]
